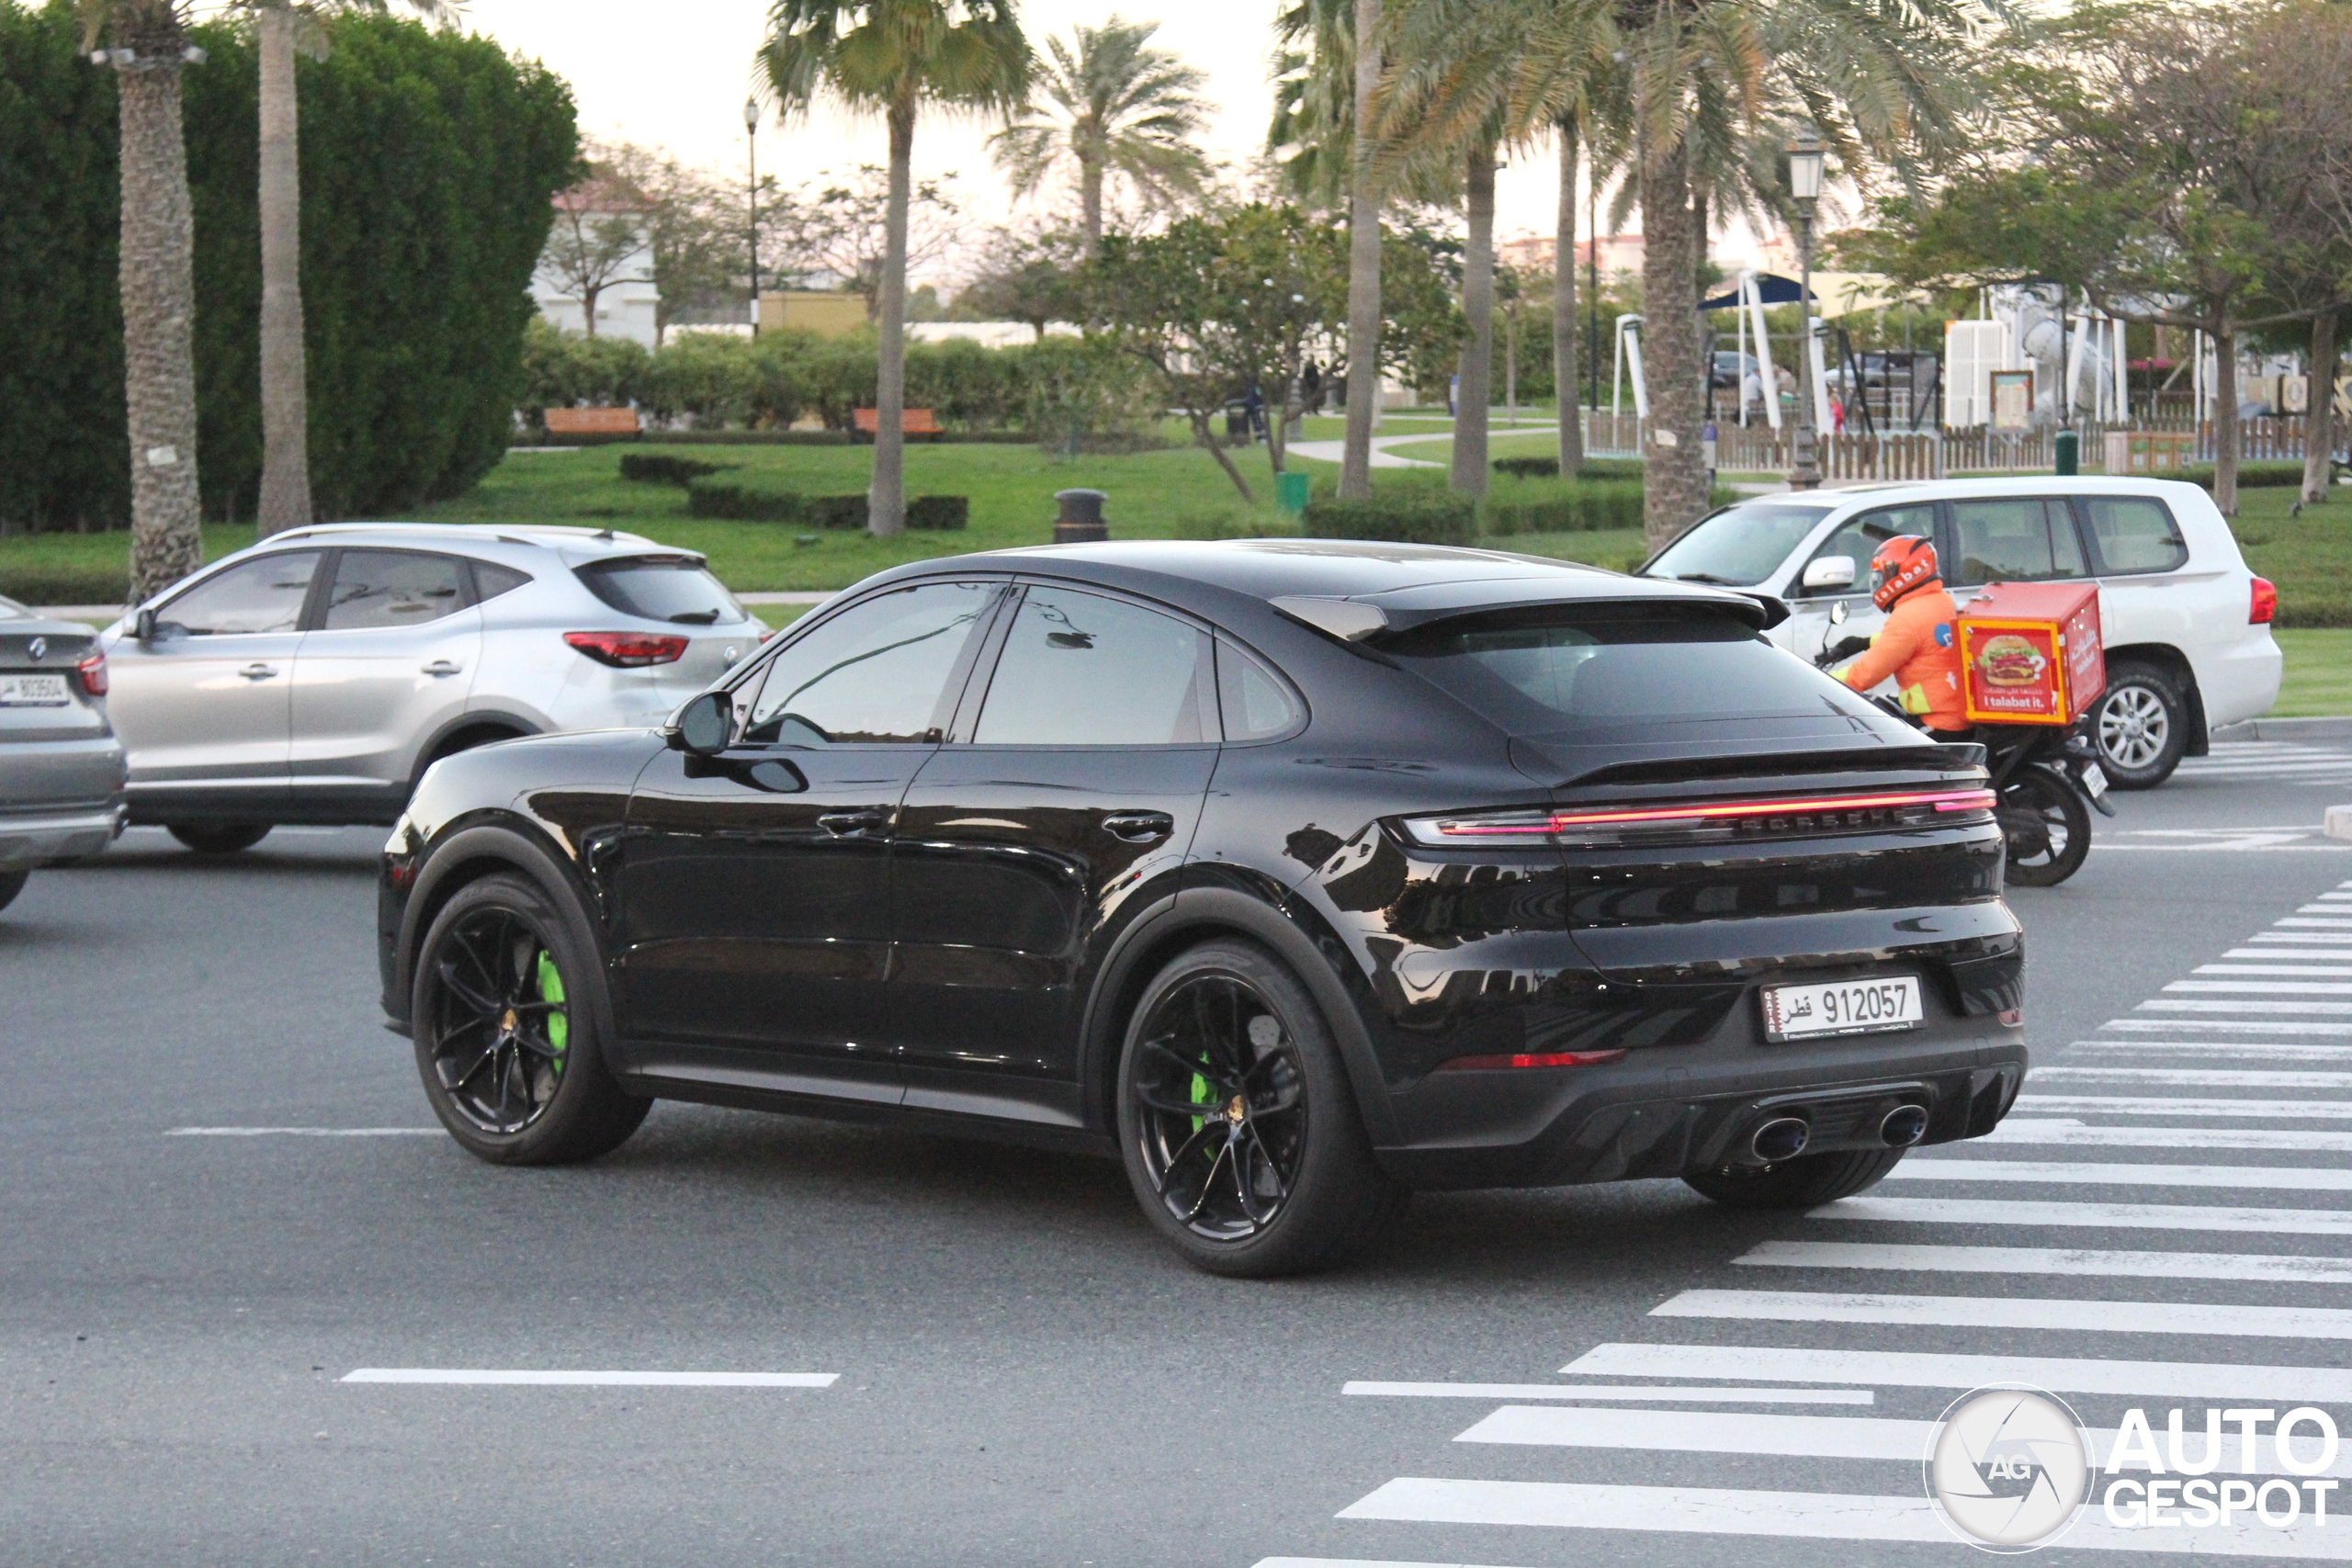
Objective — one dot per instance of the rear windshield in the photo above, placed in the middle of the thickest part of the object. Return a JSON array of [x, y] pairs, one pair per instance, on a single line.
[[1538, 675], [662, 588], [10, 610], [1740, 546]]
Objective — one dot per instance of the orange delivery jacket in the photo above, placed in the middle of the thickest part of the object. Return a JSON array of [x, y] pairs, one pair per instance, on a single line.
[[1919, 646]]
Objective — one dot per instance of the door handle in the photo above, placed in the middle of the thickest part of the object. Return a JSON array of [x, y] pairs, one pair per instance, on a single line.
[[259, 672], [1139, 827], [842, 823], [442, 666]]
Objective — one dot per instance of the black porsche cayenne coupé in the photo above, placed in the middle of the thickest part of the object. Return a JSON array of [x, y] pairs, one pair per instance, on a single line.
[[1297, 874]]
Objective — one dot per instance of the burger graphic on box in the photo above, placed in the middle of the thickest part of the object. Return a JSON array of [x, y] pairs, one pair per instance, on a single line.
[[2011, 661]]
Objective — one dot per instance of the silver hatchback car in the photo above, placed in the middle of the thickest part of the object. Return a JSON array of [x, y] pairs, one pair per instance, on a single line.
[[61, 768], [315, 677]]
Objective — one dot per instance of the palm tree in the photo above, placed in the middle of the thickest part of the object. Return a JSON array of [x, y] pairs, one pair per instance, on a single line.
[[1118, 106], [1693, 79], [889, 57], [147, 47], [286, 27]]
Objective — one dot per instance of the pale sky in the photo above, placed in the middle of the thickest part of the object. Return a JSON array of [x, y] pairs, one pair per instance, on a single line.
[[675, 73]]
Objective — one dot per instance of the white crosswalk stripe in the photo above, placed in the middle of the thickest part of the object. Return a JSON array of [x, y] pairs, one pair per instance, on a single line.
[[2240, 1057]]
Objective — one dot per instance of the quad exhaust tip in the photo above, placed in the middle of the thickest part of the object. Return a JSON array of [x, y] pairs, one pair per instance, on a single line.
[[1904, 1126], [1783, 1138]]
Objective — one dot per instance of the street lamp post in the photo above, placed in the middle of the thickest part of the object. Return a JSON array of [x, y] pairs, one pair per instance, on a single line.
[[1805, 157], [751, 148]]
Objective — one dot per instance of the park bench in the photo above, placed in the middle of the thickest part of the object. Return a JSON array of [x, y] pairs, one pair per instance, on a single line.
[[605, 422], [914, 421]]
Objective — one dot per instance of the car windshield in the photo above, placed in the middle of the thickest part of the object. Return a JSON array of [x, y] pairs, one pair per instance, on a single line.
[[662, 588], [1740, 546], [1543, 673]]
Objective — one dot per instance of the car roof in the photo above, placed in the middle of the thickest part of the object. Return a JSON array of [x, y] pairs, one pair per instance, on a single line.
[[1411, 582], [573, 542], [1999, 484]]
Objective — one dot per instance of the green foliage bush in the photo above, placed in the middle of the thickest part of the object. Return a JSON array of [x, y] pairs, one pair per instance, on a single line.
[[667, 468], [939, 512], [1555, 508], [770, 498], [428, 159], [1401, 514], [1549, 468], [2251, 476]]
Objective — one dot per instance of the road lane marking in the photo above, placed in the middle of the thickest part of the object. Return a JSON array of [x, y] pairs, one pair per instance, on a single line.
[[1906, 1369], [2094, 1261], [2013, 1312], [2060, 1130], [2302, 1178], [1784, 1436], [2162, 1105], [2212, 1077], [1701, 1510], [2263, 988], [591, 1379], [2268, 1049], [2121, 1216], [306, 1133], [2267, 1027], [1492, 1391], [2309, 971]]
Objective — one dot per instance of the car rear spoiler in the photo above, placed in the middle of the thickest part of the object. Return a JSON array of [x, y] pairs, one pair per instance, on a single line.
[[1376, 615]]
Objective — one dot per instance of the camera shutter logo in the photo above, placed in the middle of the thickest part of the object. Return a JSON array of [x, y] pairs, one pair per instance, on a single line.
[[2008, 1467]]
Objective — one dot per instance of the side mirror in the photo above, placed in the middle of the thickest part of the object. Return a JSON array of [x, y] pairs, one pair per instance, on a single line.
[[705, 726], [145, 626], [1838, 614], [1829, 572]]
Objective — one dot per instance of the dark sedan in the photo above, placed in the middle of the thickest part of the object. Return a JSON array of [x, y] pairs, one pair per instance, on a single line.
[[1296, 875]]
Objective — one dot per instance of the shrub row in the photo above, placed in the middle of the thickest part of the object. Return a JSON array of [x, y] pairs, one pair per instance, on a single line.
[[1549, 468], [1564, 509], [750, 498], [667, 468], [2251, 476], [1412, 515]]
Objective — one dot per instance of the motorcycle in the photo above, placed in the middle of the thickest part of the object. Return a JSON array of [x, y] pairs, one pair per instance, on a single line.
[[2047, 781]]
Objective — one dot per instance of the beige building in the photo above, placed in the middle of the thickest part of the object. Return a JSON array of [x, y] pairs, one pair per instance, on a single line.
[[1533, 253], [829, 313]]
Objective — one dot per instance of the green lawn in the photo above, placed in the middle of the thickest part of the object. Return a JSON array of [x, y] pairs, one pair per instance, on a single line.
[[2319, 672], [1501, 442]]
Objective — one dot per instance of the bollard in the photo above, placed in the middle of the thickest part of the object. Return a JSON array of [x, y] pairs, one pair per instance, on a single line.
[[2067, 449], [1080, 521]]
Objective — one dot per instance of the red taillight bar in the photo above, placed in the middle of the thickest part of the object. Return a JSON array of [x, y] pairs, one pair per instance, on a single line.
[[2264, 608], [92, 672], [1532, 1059], [629, 651], [1560, 821]]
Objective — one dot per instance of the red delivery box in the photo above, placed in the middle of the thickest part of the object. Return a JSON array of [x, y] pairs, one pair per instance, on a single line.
[[2030, 653]]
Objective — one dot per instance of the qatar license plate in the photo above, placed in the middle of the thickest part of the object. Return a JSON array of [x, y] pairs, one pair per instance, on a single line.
[[1848, 1007], [2093, 779], [32, 691]]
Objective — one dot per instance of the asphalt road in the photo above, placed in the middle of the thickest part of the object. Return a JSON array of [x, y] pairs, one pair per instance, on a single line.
[[1024, 1377]]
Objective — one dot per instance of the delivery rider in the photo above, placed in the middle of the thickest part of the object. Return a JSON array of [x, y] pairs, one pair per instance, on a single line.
[[1919, 644]]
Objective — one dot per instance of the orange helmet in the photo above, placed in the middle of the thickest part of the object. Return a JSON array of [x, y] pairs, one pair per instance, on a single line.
[[1902, 564]]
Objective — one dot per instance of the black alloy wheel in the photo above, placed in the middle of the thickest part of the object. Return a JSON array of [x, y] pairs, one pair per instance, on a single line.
[[219, 837], [1799, 1183], [2140, 726], [2046, 826], [506, 1039], [1240, 1134]]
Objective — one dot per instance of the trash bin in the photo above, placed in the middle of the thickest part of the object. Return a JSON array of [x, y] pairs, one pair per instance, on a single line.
[[1080, 521], [1290, 493], [2068, 450]]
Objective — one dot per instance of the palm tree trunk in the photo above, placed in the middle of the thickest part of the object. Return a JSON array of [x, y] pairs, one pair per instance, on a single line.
[[2225, 420], [1364, 272], [1564, 307], [885, 507], [1674, 487], [1090, 203], [158, 314], [1478, 304], [285, 401], [2319, 416]]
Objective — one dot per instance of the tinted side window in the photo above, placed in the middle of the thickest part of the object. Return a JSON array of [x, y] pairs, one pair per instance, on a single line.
[[2134, 534], [393, 588], [877, 671], [1256, 702], [491, 581], [2014, 541], [1081, 670], [261, 595], [1857, 538]]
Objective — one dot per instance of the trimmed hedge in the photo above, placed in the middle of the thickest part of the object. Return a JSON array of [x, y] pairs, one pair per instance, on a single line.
[[1408, 514], [1549, 468], [761, 498], [747, 438], [2251, 476], [1564, 509], [663, 469]]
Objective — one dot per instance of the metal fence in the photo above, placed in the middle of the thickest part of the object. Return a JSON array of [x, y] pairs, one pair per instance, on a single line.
[[1860, 459]]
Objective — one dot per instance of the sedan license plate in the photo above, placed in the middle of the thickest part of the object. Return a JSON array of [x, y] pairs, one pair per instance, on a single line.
[[1849, 1007], [2093, 779], [32, 691]]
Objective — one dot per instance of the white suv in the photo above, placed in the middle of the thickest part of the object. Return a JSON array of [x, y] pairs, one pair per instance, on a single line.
[[315, 677], [2187, 625]]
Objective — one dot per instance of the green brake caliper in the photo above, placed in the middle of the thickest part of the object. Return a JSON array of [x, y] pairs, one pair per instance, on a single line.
[[551, 990], [1200, 1097]]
